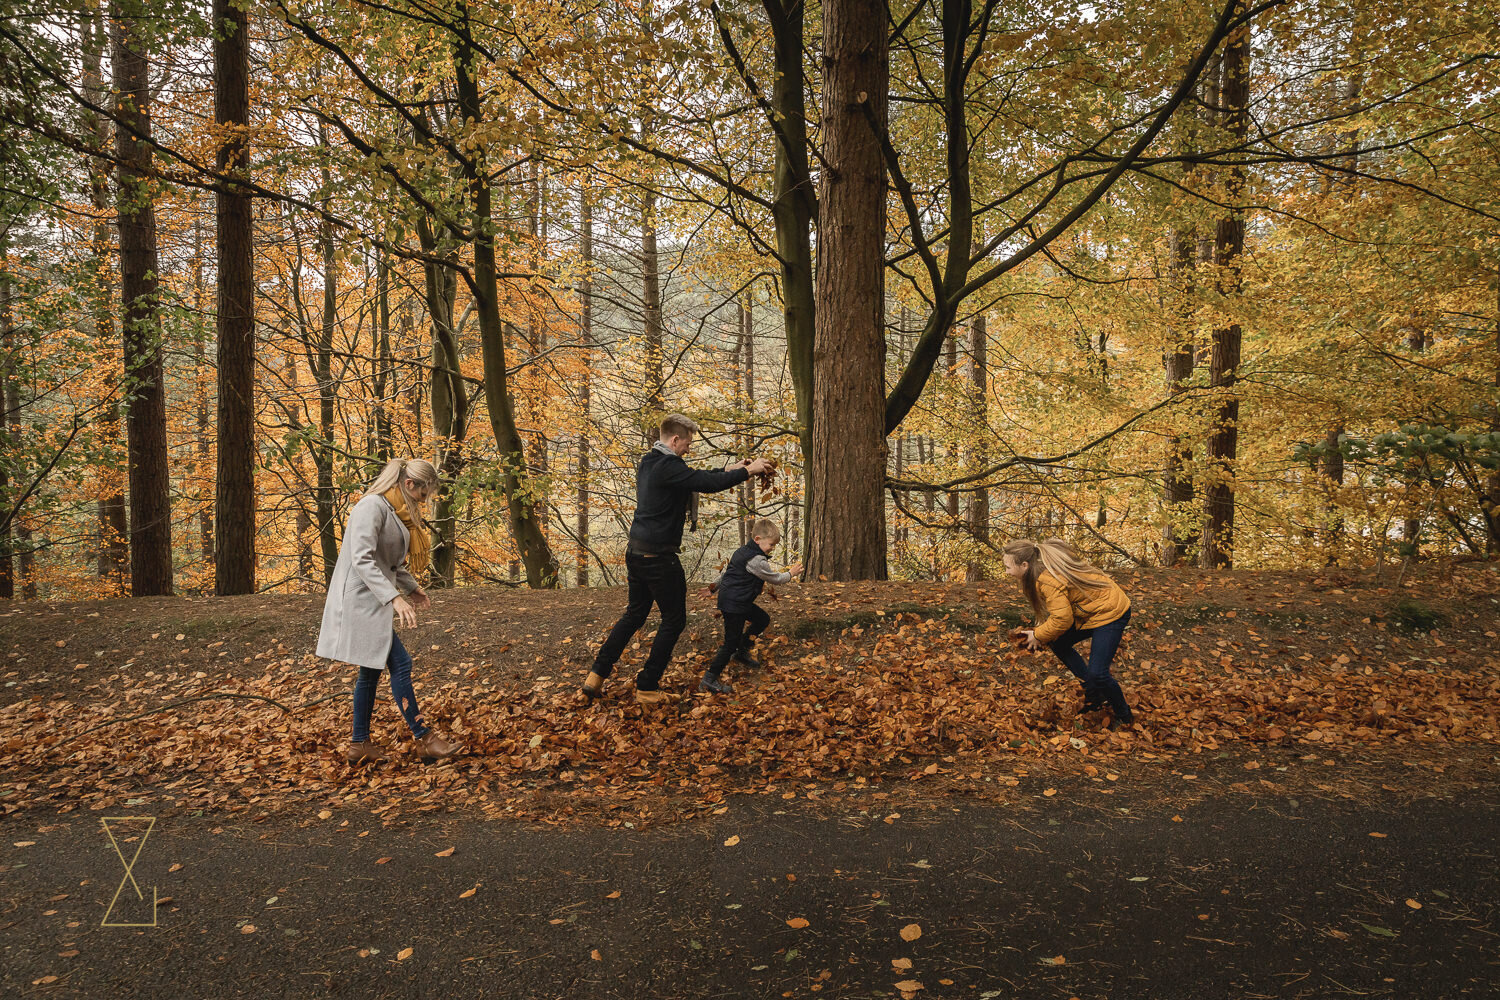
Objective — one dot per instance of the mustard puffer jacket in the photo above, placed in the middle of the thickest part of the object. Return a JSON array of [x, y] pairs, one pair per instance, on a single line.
[[1071, 607]]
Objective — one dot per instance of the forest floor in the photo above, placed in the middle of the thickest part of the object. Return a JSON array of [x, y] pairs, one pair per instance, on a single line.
[[1306, 808]]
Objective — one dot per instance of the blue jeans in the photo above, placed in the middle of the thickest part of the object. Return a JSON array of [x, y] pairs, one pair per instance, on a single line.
[[398, 665], [1098, 683]]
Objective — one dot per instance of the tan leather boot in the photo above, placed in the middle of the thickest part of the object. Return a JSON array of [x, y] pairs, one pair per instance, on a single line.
[[593, 686], [653, 697], [369, 750], [433, 747]]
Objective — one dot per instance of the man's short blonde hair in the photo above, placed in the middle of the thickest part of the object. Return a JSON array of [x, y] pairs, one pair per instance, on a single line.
[[675, 424]]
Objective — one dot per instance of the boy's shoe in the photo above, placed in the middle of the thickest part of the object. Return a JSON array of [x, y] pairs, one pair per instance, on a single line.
[[714, 685], [431, 747], [593, 686], [653, 697], [369, 750], [742, 656]]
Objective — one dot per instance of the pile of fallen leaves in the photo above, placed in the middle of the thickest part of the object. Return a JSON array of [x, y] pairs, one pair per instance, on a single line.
[[913, 697]]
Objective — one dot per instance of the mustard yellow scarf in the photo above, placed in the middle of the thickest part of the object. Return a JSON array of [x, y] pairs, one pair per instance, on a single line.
[[419, 552]]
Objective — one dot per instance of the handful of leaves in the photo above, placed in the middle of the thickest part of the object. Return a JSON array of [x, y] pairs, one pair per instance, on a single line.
[[768, 479], [1018, 636]]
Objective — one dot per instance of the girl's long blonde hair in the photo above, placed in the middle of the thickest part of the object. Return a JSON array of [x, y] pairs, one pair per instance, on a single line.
[[398, 470], [1055, 556]]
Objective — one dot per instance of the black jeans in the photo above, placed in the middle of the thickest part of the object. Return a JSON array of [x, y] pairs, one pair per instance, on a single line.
[[1098, 682], [653, 579], [737, 635]]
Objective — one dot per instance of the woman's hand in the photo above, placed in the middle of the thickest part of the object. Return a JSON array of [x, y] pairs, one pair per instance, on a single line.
[[405, 613], [420, 600], [1030, 636]]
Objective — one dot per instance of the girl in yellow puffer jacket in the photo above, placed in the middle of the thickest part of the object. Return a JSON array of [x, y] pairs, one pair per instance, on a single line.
[[1074, 601]]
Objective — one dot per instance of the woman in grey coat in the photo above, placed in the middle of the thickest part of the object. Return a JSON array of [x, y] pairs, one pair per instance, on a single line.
[[373, 582]]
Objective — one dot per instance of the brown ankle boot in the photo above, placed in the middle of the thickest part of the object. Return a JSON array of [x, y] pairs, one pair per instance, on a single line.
[[369, 750], [433, 747], [653, 697], [593, 686]]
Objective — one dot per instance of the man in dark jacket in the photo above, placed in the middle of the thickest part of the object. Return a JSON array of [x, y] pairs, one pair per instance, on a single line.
[[664, 491]]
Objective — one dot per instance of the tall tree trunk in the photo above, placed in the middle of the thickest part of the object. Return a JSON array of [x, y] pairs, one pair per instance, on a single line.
[[516, 482], [1177, 485], [979, 388], [736, 365], [383, 366], [1492, 505], [746, 384], [1333, 458], [847, 521], [651, 307], [235, 509], [10, 400], [322, 453], [114, 532], [146, 409], [1416, 340], [536, 332], [1229, 242], [449, 403], [954, 450], [792, 211], [205, 427], [585, 388]]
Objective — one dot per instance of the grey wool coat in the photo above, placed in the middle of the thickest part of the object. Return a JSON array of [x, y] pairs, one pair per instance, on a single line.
[[370, 573]]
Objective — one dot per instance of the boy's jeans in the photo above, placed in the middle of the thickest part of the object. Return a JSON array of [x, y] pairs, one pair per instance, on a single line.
[[736, 634]]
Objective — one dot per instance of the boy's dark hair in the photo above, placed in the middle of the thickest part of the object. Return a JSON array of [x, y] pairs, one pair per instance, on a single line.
[[679, 425], [764, 527]]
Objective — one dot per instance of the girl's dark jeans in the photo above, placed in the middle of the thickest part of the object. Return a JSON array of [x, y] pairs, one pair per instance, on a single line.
[[1098, 683], [739, 630], [398, 665]]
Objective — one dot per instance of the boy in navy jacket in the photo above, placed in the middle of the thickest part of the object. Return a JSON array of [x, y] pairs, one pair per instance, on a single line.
[[743, 579], [665, 488]]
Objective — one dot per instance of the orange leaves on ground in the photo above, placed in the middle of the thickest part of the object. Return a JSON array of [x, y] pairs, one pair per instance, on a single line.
[[911, 932], [796, 923], [732, 841], [915, 695], [448, 853]]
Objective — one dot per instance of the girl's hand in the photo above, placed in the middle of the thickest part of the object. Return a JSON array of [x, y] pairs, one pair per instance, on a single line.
[[405, 614], [1031, 642], [420, 600]]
